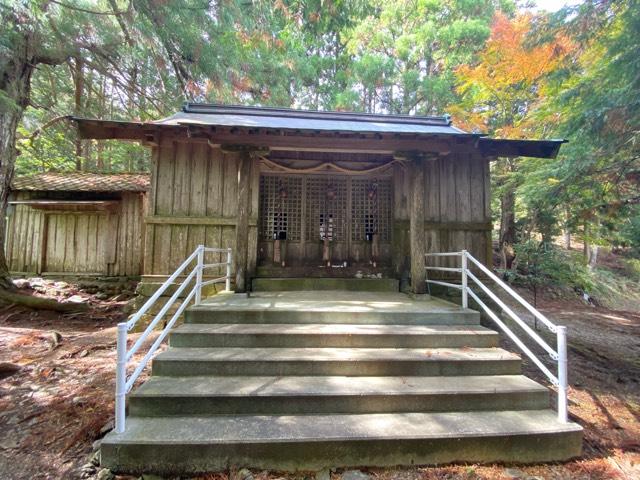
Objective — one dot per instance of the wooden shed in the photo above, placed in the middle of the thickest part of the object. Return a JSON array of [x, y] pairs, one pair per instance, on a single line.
[[302, 194], [77, 224]]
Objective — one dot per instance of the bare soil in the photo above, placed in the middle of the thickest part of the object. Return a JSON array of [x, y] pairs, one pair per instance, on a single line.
[[61, 400]]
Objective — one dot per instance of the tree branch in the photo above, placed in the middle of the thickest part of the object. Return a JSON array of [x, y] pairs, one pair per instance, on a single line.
[[84, 10]]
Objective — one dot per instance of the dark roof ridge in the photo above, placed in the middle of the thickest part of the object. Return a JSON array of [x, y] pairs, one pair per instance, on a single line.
[[213, 108]]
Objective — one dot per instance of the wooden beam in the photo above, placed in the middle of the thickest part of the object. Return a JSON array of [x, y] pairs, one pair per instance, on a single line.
[[199, 220], [417, 238]]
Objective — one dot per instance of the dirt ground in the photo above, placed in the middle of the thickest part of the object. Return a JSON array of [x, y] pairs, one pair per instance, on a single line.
[[60, 402]]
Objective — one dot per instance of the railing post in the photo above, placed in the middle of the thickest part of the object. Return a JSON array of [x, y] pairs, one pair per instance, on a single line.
[[121, 377], [463, 264], [563, 414], [199, 266], [227, 284]]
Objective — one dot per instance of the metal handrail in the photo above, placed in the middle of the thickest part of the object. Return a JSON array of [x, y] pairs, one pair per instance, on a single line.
[[559, 355], [124, 384]]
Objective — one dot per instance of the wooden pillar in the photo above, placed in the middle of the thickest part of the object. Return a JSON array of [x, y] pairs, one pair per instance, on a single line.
[[242, 220], [246, 155], [416, 225]]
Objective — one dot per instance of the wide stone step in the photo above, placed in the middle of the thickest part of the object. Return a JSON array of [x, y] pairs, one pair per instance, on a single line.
[[323, 284], [192, 444], [332, 335], [332, 307], [161, 396], [204, 315], [336, 361]]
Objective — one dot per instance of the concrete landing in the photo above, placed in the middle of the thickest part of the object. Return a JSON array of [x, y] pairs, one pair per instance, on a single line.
[[378, 308]]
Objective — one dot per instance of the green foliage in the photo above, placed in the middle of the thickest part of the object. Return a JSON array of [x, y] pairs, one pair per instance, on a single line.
[[542, 264]]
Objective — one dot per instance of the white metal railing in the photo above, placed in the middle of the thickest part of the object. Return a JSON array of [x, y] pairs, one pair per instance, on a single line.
[[124, 355], [559, 355]]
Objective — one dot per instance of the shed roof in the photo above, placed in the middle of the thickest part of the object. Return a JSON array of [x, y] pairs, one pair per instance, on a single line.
[[83, 182], [310, 120]]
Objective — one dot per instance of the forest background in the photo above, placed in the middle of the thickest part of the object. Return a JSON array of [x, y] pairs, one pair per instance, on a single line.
[[496, 66]]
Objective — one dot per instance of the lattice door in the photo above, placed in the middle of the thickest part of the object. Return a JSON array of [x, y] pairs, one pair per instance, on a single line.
[[280, 207], [326, 209], [371, 209]]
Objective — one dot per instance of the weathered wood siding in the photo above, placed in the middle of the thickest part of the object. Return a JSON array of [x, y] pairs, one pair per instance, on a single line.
[[25, 236], [193, 201], [41, 241], [457, 209]]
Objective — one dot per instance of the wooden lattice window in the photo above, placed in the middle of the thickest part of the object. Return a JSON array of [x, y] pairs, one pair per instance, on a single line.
[[371, 209], [280, 207], [326, 210]]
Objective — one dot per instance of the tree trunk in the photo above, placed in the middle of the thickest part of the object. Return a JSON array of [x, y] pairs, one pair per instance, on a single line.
[[9, 119], [78, 79], [592, 250], [15, 83], [507, 226], [567, 231]]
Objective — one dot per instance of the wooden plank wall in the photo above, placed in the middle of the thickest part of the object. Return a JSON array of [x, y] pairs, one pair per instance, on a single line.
[[194, 201], [457, 208], [25, 234], [128, 241], [76, 242]]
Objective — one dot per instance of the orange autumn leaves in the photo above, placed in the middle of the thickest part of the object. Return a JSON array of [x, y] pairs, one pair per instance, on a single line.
[[502, 89]]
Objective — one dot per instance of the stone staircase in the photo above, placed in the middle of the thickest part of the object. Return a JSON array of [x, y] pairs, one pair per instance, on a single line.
[[307, 380]]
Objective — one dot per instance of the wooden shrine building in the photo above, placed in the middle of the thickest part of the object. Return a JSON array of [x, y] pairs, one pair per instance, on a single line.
[[303, 193], [76, 223]]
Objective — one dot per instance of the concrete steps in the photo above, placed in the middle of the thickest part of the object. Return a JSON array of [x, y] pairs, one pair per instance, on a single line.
[[332, 335], [336, 361], [178, 445], [207, 395], [304, 380]]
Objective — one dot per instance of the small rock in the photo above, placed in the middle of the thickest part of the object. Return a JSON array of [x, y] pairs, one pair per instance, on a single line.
[[245, 474], [35, 282], [76, 299], [105, 474], [102, 296], [355, 475], [56, 339], [513, 473], [9, 444], [21, 283], [107, 427], [88, 470], [96, 445], [129, 307], [7, 369], [323, 474], [95, 458]]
